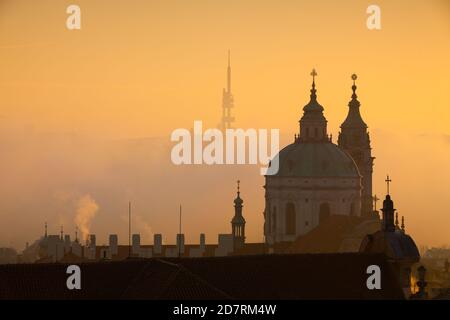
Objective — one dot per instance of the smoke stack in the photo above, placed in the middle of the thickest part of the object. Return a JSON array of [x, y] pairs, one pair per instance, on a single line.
[[202, 241], [157, 243], [180, 244], [113, 242], [136, 243]]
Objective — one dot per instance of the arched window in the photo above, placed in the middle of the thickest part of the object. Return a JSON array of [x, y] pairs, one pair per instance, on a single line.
[[290, 219], [324, 212]]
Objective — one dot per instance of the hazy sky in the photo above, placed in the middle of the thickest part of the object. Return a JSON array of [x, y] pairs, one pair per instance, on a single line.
[[87, 114]]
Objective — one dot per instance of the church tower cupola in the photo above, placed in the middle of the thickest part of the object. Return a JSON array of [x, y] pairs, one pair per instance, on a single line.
[[238, 221], [355, 140], [313, 125]]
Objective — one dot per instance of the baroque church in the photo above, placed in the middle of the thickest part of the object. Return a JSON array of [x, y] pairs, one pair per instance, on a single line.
[[318, 178], [319, 201]]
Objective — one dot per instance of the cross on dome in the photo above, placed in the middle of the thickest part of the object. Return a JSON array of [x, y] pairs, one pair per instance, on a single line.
[[388, 180]]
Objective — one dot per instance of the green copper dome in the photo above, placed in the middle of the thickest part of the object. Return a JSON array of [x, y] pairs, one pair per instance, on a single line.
[[316, 160]]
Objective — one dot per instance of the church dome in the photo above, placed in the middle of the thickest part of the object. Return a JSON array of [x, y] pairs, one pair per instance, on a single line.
[[391, 240], [316, 160], [396, 245]]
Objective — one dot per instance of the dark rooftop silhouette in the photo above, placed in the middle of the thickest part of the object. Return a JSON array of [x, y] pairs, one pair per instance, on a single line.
[[307, 276]]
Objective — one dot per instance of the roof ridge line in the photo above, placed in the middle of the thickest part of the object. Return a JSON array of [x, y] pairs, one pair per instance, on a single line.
[[182, 268], [200, 279]]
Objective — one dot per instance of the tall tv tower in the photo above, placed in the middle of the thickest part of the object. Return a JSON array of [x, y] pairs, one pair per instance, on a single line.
[[227, 101]]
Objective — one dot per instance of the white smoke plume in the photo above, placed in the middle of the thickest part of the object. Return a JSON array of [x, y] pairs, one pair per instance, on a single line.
[[140, 226], [86, 210]]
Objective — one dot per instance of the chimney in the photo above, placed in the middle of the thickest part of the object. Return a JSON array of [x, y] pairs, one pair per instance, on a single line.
[[202, 241], [92, 247], [157, 243], [67, 243], [92, 243], [180, 243], [136, 244], [113, 241]]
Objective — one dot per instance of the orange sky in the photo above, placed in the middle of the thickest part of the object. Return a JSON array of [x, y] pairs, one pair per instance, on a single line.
[[141, 69]]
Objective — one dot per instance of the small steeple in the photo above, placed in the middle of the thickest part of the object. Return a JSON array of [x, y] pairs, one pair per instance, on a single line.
[[238, 221], [403, 224], [388, 211], [397, 226], [354, 139], [354, 119]]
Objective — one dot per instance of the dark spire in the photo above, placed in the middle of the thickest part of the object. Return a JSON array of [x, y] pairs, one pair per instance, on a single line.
[[396, 220], [313, 105], [45, 234], [76, 234], [238, 201], [354, 118], [388, 212], [238, 221], [403, 224], [313, 90], [62, 232], [354, 96]]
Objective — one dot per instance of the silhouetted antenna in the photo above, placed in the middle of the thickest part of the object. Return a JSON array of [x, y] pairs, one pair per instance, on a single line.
[[179, 236], [129, 229], [229, 73]]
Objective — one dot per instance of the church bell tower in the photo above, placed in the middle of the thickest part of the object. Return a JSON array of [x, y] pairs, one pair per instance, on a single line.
[[355, 140], [238, 221]]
